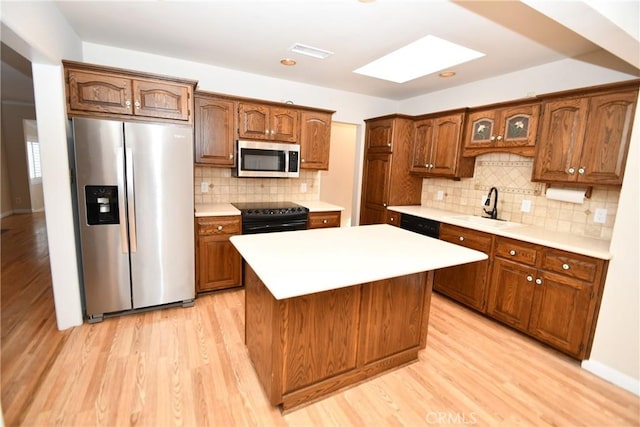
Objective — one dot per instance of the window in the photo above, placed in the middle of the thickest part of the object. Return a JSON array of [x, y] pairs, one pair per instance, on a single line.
[[33, 154]]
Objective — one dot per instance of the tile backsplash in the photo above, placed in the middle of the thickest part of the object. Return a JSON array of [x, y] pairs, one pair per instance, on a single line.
[[511, 174], [223, 188]]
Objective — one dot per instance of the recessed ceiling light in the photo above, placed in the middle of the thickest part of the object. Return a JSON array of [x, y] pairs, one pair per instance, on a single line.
[[310, 51], [288, 62], [446, 74], [424, 56]]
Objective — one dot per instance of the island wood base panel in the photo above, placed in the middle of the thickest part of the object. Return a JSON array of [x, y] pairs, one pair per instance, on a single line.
[[307, 347]]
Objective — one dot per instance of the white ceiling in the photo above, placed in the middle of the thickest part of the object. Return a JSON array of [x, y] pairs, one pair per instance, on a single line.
[[253, 35]]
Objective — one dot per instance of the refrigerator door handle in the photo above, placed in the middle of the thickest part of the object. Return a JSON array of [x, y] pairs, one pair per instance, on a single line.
[[131, 201], [121, 199]]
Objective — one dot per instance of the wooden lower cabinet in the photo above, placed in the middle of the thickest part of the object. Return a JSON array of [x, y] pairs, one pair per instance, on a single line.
[[466, 283], [307, 347], [553, 295], [218, 263], [323, 219], [394, 218]]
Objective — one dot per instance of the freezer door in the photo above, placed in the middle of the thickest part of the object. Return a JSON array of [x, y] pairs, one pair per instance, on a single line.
[[98, 146], [159, 164]]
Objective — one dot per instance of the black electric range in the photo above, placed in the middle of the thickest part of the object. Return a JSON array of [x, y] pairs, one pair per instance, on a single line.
[[269, 217]]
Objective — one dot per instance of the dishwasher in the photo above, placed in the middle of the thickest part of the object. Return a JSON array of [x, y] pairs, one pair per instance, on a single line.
[[425, 226]]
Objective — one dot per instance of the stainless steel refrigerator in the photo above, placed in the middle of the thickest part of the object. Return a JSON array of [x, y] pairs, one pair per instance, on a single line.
[[135, 214]]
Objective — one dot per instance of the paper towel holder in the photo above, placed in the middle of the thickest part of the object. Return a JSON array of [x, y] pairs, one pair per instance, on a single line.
[[587, 189]]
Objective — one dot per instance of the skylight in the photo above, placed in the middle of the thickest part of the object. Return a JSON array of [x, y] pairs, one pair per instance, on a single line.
[[424, 56]]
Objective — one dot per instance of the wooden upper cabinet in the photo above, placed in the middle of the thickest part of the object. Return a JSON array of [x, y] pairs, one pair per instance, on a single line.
[[165, 100], [97, 91], [437, 147], [214, 130], [509, 129], [315, 140], [585, 139], [266, 122], [380, 136]]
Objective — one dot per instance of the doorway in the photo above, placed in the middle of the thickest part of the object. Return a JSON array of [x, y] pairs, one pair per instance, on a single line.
[[339, 185]]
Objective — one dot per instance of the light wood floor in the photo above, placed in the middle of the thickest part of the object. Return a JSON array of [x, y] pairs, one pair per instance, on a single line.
[[190, 367]]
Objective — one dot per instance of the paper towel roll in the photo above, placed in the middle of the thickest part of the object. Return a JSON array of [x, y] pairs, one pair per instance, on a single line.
[[571, 195]]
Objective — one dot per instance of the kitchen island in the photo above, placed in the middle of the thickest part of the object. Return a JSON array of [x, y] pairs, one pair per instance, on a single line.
[[328, 308]]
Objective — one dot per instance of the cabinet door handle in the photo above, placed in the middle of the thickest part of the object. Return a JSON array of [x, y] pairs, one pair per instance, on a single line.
[[127, 103], [430, 165], [324, 221], [392, 219], [137, 104], [581, 170], [565, 266], [461, 238], [266, 132], [230, 156], [529, 278], [388, 144], [219, 228], [538, 281], [512, 252], [571, 171], [493, 138], [499, 138]]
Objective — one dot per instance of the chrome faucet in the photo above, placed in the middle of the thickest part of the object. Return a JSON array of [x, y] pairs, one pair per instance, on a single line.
[[493, 212]]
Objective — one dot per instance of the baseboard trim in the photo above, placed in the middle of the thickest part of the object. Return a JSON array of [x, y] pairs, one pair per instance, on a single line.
[[14, 212], [613, 376]]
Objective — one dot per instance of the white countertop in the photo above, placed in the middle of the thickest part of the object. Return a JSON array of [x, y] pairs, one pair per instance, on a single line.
[[216, 209], [296, 263], [318, 206], [566, 241], [225, 209]]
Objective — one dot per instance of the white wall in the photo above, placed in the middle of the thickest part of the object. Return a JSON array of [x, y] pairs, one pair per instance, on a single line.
[[37, 31]]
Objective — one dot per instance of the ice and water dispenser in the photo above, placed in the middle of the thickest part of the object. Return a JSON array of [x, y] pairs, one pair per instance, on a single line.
[[102, 204]]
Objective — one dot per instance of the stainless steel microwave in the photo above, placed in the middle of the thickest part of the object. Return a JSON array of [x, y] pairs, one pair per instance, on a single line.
[[267, 159]]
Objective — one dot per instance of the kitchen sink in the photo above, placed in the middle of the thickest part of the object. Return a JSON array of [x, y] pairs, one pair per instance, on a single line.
[[486, 222]]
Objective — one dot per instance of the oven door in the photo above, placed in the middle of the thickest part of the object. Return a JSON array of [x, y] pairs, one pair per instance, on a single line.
[[255, 227]]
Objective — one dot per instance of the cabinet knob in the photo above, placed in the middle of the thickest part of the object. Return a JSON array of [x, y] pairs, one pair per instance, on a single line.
[[565, 266], [388, 144], [529, 278], [538, 281], [392, 219], [137, 104], [230, 156], [493, 138], [301, 160], [499, 138], [581, 170], [273, 132], [128, 103], [512, 252], [219, 228], [384, 204], [461, 238], [430, 165], [266, 132], [571, 171], [426, 165], [324, 221]]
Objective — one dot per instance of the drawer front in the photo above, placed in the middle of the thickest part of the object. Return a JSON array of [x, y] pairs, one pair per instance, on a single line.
[[393, 218], [466, 237], [517, 251], [323, 219], [572, 265], [214, 225]]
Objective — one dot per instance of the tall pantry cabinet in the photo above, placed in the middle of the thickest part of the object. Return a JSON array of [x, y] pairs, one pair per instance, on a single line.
[[385, 179]]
